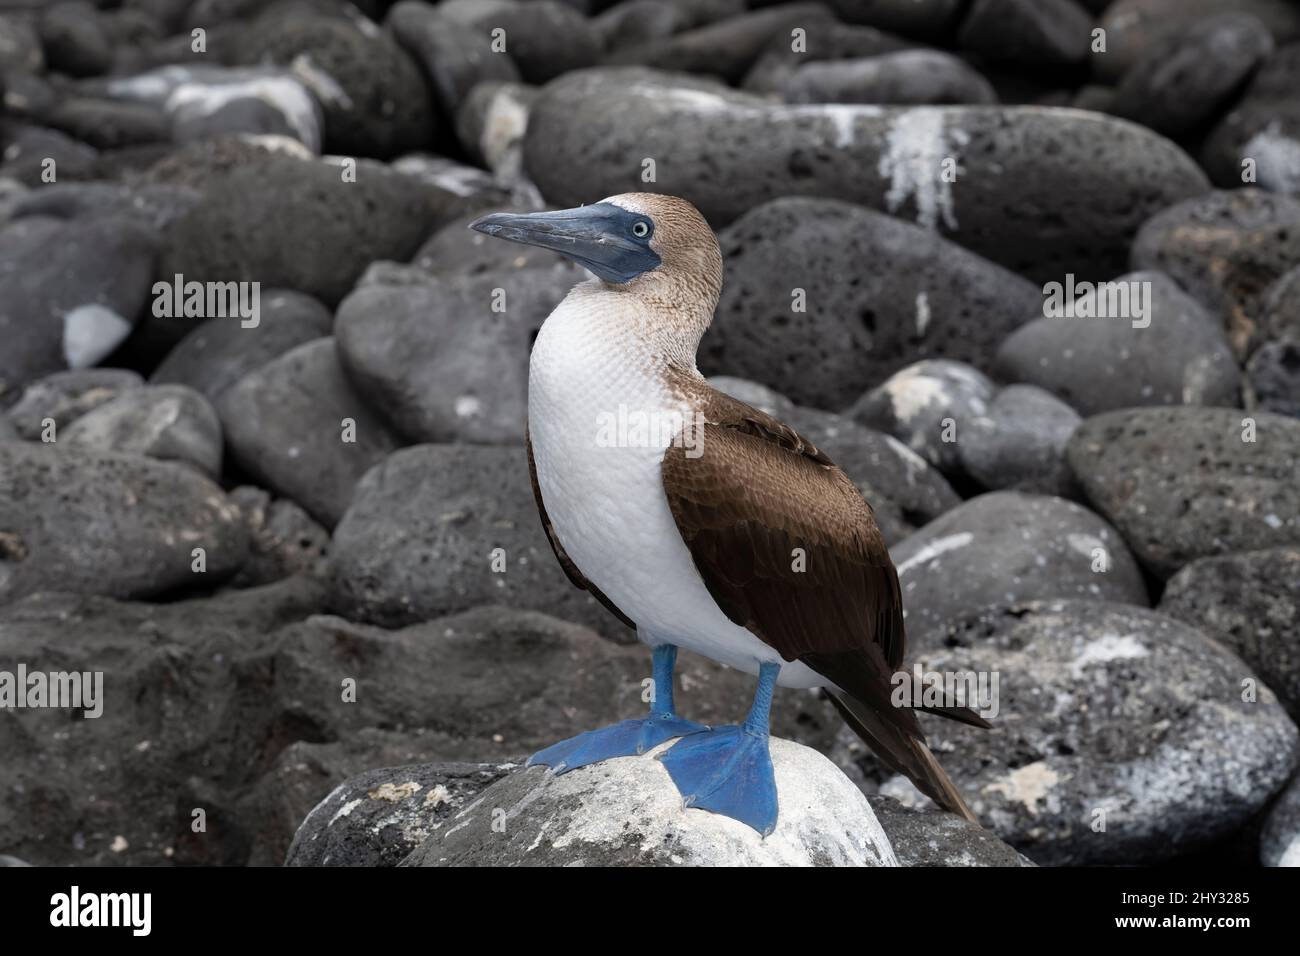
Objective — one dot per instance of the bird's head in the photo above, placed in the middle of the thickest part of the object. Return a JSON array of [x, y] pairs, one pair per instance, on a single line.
[[642, 242]]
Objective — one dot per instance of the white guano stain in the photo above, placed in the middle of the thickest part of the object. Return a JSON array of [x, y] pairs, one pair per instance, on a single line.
[[90, 333], [1027, 785], [1108, 647], [915, 148], [934, 549]]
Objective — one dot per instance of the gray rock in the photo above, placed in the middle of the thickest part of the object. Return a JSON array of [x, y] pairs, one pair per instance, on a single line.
[[74, 39], [902, 488], [728, 152], [1249, 603], [448, 359], [1121, 738], [220, 352], [726, 48], [928, 19], [1175, 354], [1184, 79], [283, 539], [491, 124], [1135, 29], [65, 396], [544, 38], [908, 76], [453, 55], [754, 393], [168, 422], [1224, 248], [153, 206], [1028, 32], [419, 537], [8, 431], [380, 817], [316, 234], [1259, 139], [1280, 316], [20, 46], [25, 155], [287, 422], [825, 40], [1273, 374], [919, 296], [376, 102], [162, 746], [1019, 445], [928, 406], [1279, 844], [936, 838], [109, 124], [628, 812], [69, 293], [1006, 547], [1182, 483], [102, 523]]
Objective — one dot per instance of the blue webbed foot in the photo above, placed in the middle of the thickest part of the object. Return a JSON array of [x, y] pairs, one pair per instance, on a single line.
[[727, 771], [624, 739]]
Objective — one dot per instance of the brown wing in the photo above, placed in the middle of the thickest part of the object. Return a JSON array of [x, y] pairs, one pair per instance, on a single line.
[[570, 569]]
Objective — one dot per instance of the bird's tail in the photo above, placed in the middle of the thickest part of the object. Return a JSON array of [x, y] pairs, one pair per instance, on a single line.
[[904, 753]]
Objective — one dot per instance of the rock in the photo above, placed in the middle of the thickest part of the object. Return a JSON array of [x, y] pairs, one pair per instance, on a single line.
[[1019, 444], [491, 124], [65, 396], [379, 817], [908, 76], [927, 19], [1280, 841], [317, 233], [1248, 602], [300, 429], [121, 788], [544, 38], [1007, 203], [1135, 29], [627, 811], [8, 431], [283, 539], [168, 422], [448, 507], [1109, 715], [375, 100], [1183, 483], [106, 523], [219, 352], [110, 124], [155, 207], [902, 488], [1224, 248], [26, 153], [726, 48], [69, 293], [447, 359], [1273, 374], [1258, 141], [1184, 80], [825, 40], [1174, 353], [921, 296], [1280, 308], [1006, 547], [936, 838], [20, 46], [927, 406], [753, 393], [1028, 32], [453, 55], [74, 39], [202, 102]]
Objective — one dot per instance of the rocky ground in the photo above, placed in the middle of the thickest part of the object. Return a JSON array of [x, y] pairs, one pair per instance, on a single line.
[[300, 544]]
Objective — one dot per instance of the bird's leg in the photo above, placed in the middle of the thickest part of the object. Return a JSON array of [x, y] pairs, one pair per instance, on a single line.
[[728, 770], [627, 737]]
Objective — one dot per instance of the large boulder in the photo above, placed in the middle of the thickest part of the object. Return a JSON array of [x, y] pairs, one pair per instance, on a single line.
[[626, 812]]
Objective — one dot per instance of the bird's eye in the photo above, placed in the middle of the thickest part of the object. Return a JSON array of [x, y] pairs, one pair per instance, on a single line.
[[640, 228]]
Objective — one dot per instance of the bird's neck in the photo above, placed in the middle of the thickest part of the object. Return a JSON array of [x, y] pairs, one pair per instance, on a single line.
[[654, 323]]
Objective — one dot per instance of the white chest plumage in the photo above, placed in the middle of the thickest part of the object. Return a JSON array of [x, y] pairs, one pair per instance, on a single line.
[[600, 419]]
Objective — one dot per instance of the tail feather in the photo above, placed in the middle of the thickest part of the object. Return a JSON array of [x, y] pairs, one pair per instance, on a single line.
[[904, 753]]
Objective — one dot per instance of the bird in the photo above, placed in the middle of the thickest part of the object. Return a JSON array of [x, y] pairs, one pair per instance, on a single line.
[[698, 520]]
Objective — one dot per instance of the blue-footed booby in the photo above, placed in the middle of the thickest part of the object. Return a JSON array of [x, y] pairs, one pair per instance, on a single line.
[[700, 521]]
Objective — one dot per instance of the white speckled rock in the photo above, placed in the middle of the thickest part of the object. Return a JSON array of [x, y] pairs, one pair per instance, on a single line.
[[627, 812]]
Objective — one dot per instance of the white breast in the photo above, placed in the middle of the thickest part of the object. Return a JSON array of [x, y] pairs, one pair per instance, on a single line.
[[600, 418]]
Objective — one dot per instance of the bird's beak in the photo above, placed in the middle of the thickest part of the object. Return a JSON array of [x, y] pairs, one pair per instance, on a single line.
[[598, 237]]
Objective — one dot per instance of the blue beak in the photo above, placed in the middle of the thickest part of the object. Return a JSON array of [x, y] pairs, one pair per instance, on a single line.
[[611, 242]]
